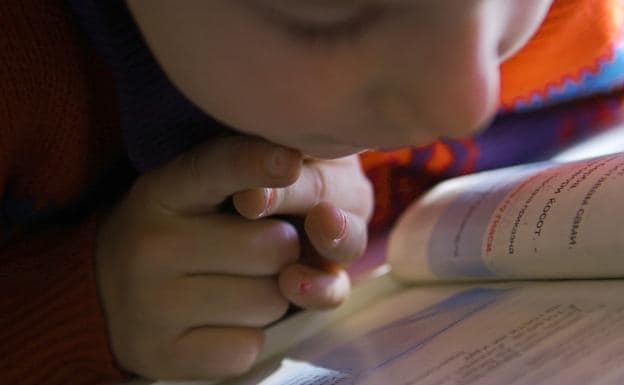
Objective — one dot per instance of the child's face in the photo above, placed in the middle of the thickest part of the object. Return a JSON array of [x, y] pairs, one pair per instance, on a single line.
[[335, 77]]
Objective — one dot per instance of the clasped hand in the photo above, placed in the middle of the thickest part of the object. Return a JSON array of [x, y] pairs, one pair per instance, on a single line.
[[187, 286]]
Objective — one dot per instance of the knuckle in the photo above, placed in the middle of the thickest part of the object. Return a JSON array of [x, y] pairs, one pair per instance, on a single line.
[[276, 246], [246, 351], [191, 164], [241, 154], [246, 153], [135, 354], [241, 145], [194, 167], [177, 361], [231, 354], [280, 309], [287, 246], [274, 304], [319, 184]]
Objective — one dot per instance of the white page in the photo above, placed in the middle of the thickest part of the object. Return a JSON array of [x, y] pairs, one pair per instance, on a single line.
[[525, 333], [536, 221]]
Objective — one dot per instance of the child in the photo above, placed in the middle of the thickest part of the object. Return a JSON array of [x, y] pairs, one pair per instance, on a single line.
[[187, 284]]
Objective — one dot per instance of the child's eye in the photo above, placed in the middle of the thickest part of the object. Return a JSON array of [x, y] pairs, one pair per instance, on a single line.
[[334, 32]]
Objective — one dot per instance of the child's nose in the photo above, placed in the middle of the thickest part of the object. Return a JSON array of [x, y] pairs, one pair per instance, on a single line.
[[448, 89]]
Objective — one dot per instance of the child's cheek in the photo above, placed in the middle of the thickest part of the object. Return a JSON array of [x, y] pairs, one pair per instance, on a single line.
[[447, 88]]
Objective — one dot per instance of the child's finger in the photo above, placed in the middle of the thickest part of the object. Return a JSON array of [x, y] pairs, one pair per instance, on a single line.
[[311, 288], [337, 235], [202, 353], [221, 244], [214, 300], [340, 182], [203, 177]]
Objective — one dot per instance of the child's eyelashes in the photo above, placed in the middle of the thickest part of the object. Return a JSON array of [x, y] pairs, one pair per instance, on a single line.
[[327, 33], [318, 27]]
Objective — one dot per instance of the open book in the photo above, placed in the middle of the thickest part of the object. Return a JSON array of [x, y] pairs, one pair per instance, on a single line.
[[502, 277]]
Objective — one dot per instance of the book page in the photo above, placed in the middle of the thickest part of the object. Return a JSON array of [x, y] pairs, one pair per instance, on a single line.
[[544, 220], [522, 333]]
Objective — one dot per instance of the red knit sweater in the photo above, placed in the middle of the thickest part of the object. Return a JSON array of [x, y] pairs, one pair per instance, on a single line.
[[58, 129]]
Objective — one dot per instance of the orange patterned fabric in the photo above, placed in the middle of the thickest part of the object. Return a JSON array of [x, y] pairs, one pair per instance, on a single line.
[[584, 32]]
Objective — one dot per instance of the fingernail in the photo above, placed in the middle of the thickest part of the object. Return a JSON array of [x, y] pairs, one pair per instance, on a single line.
[[279, 163], [304, 287], [269, 198], [342, 230]]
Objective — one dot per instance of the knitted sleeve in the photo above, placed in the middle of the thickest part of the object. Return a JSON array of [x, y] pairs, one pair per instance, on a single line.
[[55, 132]]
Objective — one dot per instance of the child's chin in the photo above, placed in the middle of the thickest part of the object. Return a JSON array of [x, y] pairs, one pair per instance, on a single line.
[[334, 151]]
